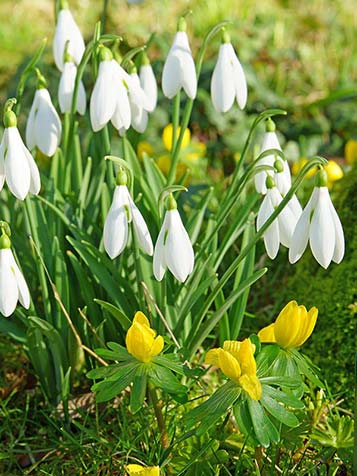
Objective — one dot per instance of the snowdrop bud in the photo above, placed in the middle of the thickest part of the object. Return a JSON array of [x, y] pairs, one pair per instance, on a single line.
[[228, 78], [148, 82], [66, 88], [271, 141], [320, 225], [173, 249], [179, 68], [43, 128], [278, 166], [122, 212], [281, 229], [67, 31], [13, 287], [17, 165]]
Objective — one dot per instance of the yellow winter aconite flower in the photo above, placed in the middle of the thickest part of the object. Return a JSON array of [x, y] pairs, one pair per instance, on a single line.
[[145, 147], [141, 340], [138, 470], [297, 166], [236, 360], [292, 328], [334, 171], [167, 137], [351, 151]]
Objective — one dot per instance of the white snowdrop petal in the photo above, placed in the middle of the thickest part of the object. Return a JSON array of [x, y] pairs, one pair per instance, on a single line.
[[115, 234], [178, 248], [122, 114], [295, 206], [141, 230], [67, 30], [17, 170], [265, 210], [9, 293], [24, 293], [35, 179], [339, 250], [149, 85], [240, 82], [189, 79], [139, 118], [137, 93], [30, 125], [66, 86], [103, 101], [322, 230], [159, 262], [81, 99], [48, 127], [171, 76], [222, 82], [271, 235]]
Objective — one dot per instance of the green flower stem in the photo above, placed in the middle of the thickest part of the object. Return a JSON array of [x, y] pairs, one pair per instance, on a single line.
[[104, 14], [200, 336], [110, 166], [189, 104], [175, 121], [164, 437]]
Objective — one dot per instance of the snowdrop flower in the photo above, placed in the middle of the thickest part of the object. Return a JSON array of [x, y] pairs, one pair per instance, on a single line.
[[66, 88], [43, 128], [283, 186], [173, 247], [67, 31], [179, 68], [271, 141], [17, 165], [320, 225], [13, 286], [148, 82], [282, 228], [228, 79], [122, 212]]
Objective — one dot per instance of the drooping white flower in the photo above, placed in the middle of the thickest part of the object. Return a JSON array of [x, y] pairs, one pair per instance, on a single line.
[[67, 31], [320, 225], [43, 127], [13, 287], [271, 141], [116, 228], [66, 89], [179, 68], [228, 79], [148, 83], [282, 228], [173, 249], [17, 165]]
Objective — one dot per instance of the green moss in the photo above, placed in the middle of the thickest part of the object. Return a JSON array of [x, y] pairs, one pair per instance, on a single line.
[[332, 345]]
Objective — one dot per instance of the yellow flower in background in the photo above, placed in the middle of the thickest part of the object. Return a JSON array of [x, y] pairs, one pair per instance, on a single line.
[[145, 147], [236, 360], [138, 470], [141, 340], [292, 328], [334, 171], [351, 151], [167, 137], [199, 150], [164, 161]]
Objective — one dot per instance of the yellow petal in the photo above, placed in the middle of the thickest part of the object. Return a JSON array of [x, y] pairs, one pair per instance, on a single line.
[[267, 334], [138, 470], [212, 357], [287, 325], [141, 319], [307, 325], [157, 346], [351, 151], [232, 346], [229, 365], [252, 385], [246, 358]]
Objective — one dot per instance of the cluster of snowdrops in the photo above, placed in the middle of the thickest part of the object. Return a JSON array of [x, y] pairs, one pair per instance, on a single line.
[[261, 398]]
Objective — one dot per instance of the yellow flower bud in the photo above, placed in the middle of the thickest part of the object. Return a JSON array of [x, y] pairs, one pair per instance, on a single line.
[[141, 341], [351, 151], [138, 470], [167, 137], [144, 147], [236, 360], [292, 328]]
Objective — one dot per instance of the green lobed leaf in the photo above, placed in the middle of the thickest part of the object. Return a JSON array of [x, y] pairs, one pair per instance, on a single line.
[[138, 390], [264, 429], [278, 411]]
